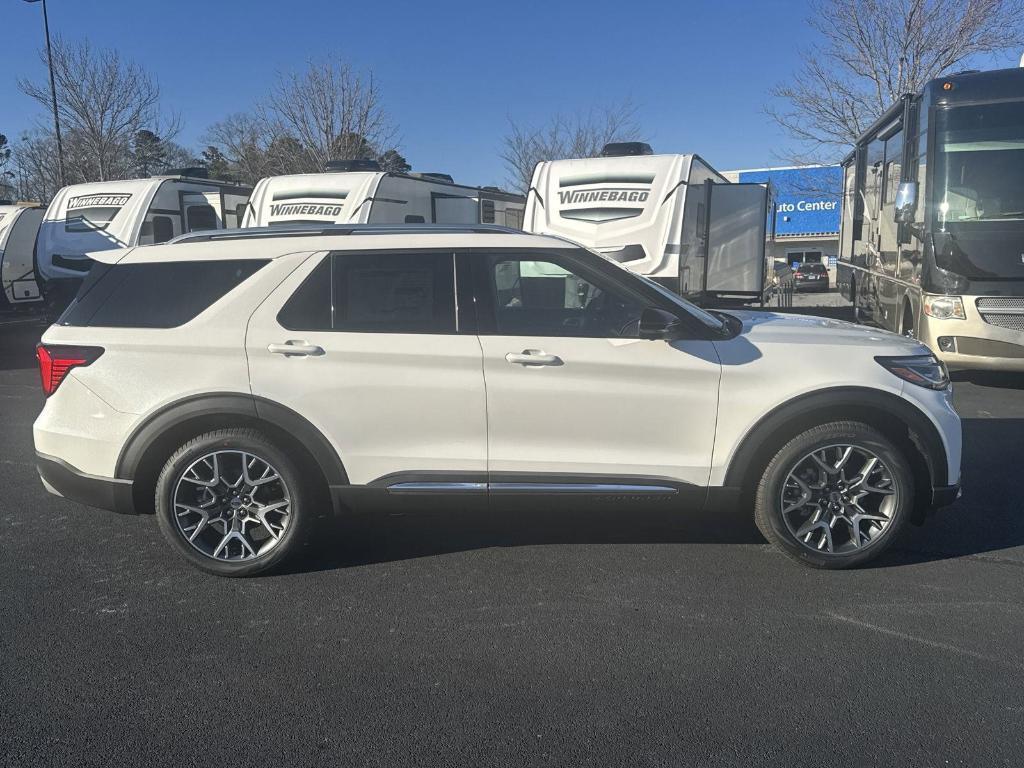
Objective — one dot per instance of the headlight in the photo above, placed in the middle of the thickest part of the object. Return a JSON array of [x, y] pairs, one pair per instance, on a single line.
[[944, 307], [923, 370]]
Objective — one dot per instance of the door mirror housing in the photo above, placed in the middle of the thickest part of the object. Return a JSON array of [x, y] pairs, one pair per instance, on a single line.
[[906, 202], [659, 324]]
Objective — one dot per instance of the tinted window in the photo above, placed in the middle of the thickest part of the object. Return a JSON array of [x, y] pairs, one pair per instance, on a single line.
[[309, 308], [161, 295], [559, 298], [376, 293], [201, 217], [812, 268], [163, 229]]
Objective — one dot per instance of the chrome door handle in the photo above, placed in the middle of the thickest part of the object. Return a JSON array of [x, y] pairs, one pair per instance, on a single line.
[[292, 348], [533, 357]]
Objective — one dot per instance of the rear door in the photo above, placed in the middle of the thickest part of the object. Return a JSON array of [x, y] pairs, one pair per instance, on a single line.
[[574, 397], [368, 347]]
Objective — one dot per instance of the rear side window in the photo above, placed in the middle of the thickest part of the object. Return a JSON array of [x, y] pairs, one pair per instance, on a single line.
[[158, 295], [376, 293]]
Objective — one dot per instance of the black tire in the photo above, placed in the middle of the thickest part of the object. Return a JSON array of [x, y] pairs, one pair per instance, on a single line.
[[907, 326], [292, 479], [853, 300], [768, 505]]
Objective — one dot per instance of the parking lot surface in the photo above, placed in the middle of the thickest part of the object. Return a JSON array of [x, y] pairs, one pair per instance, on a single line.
[[539, 638]]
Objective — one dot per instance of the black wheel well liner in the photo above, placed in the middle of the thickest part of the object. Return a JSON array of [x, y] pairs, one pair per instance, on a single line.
[[897, 418], [162, 432], [908, 308]]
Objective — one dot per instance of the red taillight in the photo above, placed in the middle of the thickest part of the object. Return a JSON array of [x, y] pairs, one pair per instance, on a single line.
[[55, 361]]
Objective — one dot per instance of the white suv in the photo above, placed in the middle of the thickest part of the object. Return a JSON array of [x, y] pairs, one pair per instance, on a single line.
[[248, 382]]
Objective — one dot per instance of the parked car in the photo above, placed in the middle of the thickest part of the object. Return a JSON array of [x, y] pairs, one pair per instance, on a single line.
[[811, 277], [242, 384]]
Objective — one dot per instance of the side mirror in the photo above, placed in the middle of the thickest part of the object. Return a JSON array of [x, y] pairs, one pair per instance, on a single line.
[[906, 202], [659, 324]]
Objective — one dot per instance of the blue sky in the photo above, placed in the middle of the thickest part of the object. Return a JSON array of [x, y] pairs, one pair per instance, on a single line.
[[452, 72]]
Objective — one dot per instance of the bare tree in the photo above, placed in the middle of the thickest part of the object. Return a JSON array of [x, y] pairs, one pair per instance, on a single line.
[[7, 188], [243, 140], [35, 166], [565, 136], [104, 102], [332, 110], [872, 52]]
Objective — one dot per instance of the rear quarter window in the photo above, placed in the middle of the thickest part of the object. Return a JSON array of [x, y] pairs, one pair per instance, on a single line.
[[158, 295]]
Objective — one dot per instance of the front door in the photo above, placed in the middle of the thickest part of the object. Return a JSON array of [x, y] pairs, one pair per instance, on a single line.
[[574, 397], [367, 347]]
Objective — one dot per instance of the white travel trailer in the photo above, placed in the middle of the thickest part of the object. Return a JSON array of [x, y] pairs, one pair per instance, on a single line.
[[84, 218], [19, 225], [357, 192], [673, 218]]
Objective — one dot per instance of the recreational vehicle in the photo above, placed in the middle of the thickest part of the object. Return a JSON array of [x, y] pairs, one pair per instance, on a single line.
[[19, 225], [98, 216], [932, 236], [358, 192], [673, 218]]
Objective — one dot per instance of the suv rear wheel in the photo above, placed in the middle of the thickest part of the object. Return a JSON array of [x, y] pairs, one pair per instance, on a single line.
[[835, 496], [232, 503]]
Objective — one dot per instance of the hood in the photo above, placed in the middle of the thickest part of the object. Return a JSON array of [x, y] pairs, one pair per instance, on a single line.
[[777, 328]]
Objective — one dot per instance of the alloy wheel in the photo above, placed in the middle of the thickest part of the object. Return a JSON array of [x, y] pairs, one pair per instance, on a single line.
[[232, 505], [839, 499]]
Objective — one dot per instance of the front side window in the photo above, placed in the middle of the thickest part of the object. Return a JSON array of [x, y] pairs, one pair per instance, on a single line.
[[376, 293], [540, 295]]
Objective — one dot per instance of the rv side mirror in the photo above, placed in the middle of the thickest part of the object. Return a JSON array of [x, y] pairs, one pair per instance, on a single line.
[[659, 324], [906, 202]]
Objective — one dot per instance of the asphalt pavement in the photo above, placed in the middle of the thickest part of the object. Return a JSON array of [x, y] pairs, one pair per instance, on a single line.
[[537, 638]]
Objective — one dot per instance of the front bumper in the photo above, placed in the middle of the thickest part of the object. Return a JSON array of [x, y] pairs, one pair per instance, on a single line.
[[62, 479], [973, 343]]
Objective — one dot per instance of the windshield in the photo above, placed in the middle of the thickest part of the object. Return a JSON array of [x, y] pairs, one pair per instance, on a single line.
[[979, 173]]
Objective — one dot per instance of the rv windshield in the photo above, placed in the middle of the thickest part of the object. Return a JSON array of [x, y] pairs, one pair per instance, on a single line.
[[979, 170]]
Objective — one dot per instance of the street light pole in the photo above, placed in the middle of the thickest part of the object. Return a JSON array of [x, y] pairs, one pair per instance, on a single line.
[[53, 93]]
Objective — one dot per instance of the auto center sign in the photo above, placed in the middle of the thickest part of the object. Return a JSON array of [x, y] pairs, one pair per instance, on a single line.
[[806, 199], [808, 205]]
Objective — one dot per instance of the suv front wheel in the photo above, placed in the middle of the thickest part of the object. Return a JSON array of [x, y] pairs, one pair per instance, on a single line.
[[835, 496], [232, 503]]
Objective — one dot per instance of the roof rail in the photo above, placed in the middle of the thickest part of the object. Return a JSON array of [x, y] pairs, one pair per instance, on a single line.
[[329, 230]]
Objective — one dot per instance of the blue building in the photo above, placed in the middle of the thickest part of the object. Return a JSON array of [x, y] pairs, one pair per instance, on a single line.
[[807, 205]]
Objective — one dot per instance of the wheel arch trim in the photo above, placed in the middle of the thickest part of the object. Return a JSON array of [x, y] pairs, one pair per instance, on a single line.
[[918, 422], [220, 404]]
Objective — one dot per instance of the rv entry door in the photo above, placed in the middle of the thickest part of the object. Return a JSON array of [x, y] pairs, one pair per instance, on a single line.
[[736, 234]]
